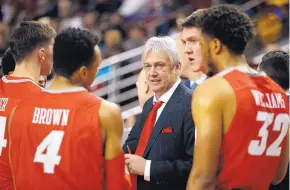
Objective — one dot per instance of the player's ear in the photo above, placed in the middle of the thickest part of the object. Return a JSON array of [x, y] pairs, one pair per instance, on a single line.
[[216, 46], [41, 55], [83, 72], [147, 88]]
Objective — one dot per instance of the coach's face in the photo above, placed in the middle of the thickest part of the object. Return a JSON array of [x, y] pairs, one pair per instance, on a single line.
[[161, 74]]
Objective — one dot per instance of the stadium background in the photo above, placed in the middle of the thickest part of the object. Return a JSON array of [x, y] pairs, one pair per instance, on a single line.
[[124, 26]]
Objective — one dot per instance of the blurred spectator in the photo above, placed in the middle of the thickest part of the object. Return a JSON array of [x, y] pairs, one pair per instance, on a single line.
[[4, 37], [50, 21], [137, 37], [112, 44], [269, 28], [143, 90], [177, 27], [65, 10], [89, 20], [271, 47], [117, 22]]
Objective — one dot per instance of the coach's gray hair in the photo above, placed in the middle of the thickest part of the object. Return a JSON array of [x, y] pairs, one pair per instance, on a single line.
[[163, 44]]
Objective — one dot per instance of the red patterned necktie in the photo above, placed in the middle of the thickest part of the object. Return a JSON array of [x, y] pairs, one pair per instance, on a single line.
[[145, 135]]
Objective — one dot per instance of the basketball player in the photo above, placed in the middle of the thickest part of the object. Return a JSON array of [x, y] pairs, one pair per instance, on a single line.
[[191, 61], [66, 137], [31, 48], [7, 62], [8, 65], [241, 116], [276, 65]]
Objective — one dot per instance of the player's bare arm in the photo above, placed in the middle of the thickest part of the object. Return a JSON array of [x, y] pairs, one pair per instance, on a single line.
[[207, 110], [112, 130], [112, 127], [283, 164]]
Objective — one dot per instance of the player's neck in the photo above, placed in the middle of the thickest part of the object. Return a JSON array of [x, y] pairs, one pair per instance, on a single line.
[[27, 69], [195, 76], [60, 83], [232, 61]]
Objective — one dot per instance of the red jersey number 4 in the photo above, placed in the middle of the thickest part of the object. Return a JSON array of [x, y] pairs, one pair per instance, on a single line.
[[51, 143]]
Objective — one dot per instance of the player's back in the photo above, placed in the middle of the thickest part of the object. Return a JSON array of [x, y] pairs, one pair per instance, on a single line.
[[12, 91], [251, 147], [56, 142]]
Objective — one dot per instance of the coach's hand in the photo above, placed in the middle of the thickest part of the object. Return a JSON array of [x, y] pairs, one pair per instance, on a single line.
[[135, 164]]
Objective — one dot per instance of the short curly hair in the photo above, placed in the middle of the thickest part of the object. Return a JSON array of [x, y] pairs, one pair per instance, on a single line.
[[225, 22], [276, 65], [28, 36], [73, 48]]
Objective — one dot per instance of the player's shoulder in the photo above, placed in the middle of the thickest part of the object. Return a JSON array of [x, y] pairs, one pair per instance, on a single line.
[[96, 105], [110, 116], [215, 87], [272, 85], [108, 109], [77, 96], [14, 92], [18, 81], [13, 85]]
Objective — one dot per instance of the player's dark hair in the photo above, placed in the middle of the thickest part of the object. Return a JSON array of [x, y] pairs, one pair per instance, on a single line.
[[8, 62], [276, 65], [225, 22], [73, 48], [28, 36]]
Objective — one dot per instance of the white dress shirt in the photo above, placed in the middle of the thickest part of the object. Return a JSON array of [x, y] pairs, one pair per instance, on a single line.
[[164, 98], [199, 81]]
